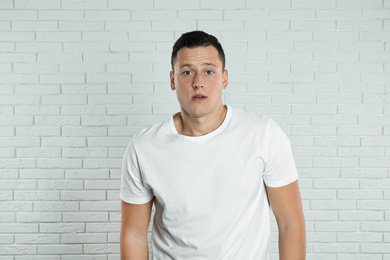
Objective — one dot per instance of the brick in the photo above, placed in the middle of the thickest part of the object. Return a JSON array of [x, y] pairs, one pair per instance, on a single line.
[[245, 14], [314, 130], [59, 249], [333, 205], [61, 15], [14, 58], [87, 257], [36, 257], [83, 195], [37, 4], [37, 131], [38, 217], [83, 89], [7, 4], [18, 228], [82, 216], [64, 99], [376, 226], [373, 119], [359, 4], [376, 14], [58, 36], [335, 36], [102, 227], [314, 194], [16, 15], [107, 78], [360, 109], [132, 46], [57, 206], [336, 183], [103, 205], [18, 25], [112, 15], [277, 4], [360, 131], [62, 79], [63, 142], [87, 174], [35, 68], [154, 15], [19, 79], [7, 239], [203, 14], [375, 248], [105, 36], [84, 238], [83, 4], [36, 195], [336, 247], [6, 195], [361, 151], [182, 26], [17, 249], [360, 194], [17, 36], [8, 173], [356, 25], [103, 184], [37, 239], [373, 204], [77, 67], [102, 248], [375, 162], [361, 215], [85, 47], [59, 57], [316, 109], [338, 14], [83, 131], [60, 184], [336, 226], [130, 4], [37, 89], [82, 110], [41, 174], [59, 163]]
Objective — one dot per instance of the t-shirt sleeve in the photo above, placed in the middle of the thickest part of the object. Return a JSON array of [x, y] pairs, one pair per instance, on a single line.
[[280, 169], [133, 190]]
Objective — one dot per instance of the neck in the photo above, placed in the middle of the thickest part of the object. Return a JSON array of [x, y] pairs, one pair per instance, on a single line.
[[197, 126]]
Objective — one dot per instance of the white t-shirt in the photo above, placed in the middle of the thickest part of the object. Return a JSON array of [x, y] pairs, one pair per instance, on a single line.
[[210, 198]]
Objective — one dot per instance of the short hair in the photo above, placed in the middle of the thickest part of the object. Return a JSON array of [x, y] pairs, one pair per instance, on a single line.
[[197, 39]]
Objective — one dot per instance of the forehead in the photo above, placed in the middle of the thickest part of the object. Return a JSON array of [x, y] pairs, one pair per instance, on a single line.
[[198, 55]]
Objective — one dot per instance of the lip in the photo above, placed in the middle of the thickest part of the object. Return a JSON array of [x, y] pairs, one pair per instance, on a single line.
[[199, 97]]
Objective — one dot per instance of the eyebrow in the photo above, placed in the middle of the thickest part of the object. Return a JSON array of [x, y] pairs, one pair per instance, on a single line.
[[203, 64]]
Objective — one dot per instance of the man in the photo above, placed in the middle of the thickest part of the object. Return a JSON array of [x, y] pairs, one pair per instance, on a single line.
[[212, 172]]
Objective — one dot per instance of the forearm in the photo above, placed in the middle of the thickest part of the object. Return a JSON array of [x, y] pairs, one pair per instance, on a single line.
[[292, 243], [132, 249]]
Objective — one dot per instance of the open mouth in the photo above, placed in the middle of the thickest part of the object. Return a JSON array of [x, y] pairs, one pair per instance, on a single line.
[[199, 98]]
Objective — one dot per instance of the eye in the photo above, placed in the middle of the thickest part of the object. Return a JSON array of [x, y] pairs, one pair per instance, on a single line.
[[209, 72], [187, 73]]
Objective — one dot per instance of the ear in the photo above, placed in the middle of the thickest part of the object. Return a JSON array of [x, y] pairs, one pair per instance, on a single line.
[[225, 77], [172, 79]]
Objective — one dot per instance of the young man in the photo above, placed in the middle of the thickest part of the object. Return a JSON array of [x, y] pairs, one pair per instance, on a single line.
[[212, 172]]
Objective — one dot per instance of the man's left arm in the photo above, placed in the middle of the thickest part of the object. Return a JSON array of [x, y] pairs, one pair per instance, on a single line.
[[287, 207]]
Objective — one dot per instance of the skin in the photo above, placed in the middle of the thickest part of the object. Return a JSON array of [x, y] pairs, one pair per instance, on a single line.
[[199, 70]]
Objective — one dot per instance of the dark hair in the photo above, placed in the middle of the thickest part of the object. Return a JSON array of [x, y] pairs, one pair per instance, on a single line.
[[197, 39]]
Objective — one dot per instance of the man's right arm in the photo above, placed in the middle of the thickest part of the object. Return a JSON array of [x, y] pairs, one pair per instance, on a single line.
[[134, 230]]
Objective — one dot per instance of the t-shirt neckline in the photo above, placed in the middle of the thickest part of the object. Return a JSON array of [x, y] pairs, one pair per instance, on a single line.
[[202, 137]]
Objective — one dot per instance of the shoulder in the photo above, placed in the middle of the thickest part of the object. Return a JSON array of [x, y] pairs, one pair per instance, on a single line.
[[251, 119], [150, 134]]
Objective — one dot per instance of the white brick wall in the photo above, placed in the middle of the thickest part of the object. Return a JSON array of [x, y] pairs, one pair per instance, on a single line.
[[79, 77]]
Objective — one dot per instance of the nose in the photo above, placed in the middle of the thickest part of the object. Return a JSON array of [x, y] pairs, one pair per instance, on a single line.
[[198, 82]]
